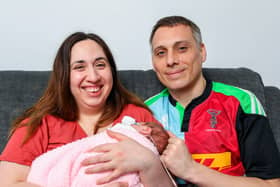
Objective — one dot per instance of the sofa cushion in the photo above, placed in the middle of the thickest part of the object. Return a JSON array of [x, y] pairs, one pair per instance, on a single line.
[[18, 91]]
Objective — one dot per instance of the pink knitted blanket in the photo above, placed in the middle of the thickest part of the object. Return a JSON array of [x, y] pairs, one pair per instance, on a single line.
[[62, 167]]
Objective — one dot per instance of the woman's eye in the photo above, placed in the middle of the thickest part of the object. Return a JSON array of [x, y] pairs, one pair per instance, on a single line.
[[79, 67], [100, 65]]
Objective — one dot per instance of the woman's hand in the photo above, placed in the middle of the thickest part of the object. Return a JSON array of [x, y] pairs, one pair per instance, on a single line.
[[123, 157], [177, 157]]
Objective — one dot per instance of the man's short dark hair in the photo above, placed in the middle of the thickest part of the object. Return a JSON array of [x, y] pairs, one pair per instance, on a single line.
[[172, 21]]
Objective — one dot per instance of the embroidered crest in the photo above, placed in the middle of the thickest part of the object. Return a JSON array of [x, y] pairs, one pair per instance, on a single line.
[[213, 120]]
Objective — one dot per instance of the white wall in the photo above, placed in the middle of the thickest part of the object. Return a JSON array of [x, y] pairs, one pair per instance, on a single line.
[[237, 33]]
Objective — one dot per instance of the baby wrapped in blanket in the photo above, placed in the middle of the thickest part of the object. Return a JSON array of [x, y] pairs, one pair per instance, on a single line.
[[61, 167]]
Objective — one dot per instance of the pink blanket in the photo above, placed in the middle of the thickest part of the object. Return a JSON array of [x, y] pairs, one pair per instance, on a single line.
[[61, 167]]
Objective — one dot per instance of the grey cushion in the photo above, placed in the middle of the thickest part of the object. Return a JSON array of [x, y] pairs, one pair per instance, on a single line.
[[18, 91]]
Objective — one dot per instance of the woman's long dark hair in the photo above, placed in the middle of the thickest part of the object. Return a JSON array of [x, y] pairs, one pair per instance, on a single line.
[[58, 100]]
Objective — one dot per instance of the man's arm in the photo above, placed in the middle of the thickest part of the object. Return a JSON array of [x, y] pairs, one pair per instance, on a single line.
[[179, 161], [206, 177]]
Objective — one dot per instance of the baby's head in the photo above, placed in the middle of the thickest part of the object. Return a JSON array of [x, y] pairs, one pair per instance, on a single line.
[[155, 132]]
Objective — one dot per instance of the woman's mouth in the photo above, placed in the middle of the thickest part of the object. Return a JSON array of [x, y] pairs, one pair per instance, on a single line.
[[92, 89]]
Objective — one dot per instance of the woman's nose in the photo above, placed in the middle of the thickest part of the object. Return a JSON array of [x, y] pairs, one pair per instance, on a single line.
[[93, 75]]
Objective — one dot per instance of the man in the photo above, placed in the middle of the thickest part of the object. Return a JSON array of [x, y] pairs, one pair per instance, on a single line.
[[224, 127]]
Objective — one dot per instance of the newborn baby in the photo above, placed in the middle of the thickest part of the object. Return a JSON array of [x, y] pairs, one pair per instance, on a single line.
[[61, 167]]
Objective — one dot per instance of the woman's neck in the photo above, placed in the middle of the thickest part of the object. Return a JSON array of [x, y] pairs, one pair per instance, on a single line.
[[88, 121]]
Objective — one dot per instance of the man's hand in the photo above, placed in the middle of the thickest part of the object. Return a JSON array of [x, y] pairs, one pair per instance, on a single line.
[[177, 157]]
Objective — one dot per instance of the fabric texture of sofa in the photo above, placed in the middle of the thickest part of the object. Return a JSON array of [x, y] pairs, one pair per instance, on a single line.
[[20, 89]]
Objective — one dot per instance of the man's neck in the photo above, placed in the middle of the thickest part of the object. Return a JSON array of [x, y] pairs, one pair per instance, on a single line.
[[186, 95]]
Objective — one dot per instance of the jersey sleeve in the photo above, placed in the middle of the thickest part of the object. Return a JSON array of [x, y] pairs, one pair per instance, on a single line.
[[17, 152], [258, 148]]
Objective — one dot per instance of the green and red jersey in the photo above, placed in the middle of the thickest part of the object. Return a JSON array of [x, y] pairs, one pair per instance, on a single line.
[[225, 129]]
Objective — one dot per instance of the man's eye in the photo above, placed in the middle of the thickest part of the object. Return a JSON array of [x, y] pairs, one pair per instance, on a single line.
[[160, 53], [183, 48]]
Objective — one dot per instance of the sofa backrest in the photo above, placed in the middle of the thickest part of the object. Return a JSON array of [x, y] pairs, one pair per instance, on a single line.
[[20, 89], [148, 84]]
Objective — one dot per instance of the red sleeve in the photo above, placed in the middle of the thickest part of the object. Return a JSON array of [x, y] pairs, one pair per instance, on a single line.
[[24, 154], [138, 113]]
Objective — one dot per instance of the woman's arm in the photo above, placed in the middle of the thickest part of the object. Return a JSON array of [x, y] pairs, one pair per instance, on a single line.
[[128, 156], [14, 175]]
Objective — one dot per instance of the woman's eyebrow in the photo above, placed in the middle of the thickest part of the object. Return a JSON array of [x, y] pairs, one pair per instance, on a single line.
[[83, 61], [77, 62], [100, 58]]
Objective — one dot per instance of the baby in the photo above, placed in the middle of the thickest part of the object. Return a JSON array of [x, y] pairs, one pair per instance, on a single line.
[[62, 167]]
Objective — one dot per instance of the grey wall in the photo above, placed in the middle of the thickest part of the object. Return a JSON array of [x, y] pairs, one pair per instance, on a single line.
[[237, 33]]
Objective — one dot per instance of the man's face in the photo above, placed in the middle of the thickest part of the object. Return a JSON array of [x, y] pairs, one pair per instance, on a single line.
[[177, 58]]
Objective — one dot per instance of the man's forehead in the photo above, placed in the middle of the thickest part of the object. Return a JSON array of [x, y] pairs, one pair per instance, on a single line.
[[174, 44], [169, 36]]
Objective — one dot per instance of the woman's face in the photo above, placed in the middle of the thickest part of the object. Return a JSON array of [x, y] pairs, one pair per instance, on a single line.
[[90, 76]]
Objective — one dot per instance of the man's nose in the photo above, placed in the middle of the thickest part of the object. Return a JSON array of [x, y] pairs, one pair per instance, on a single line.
[[172, 58]]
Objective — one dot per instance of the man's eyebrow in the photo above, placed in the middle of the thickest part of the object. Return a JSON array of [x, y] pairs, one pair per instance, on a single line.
[[182, 42], [158, 47], [175, 44]]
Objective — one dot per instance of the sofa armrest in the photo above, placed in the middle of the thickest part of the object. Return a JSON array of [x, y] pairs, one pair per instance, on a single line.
[[272, 98]]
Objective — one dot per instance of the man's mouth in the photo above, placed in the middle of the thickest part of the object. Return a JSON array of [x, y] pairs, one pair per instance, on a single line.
[[174, 72]]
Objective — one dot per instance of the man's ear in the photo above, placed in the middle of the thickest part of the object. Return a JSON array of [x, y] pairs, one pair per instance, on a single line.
[[203, 52]]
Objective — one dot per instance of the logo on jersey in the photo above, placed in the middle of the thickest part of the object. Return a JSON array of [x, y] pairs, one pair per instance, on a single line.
[[217, 161], [213, 120]]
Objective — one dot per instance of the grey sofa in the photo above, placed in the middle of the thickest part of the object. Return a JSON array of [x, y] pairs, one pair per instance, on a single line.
[[20, 89]]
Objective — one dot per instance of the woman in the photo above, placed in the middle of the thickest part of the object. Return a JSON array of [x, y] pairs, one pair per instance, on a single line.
[[84, 97]]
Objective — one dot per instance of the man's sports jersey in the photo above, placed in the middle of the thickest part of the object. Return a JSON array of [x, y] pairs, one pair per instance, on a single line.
[[225, 129]]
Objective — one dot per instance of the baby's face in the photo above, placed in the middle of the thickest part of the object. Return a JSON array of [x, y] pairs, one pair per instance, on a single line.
[[154, 132], [143, 129]]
